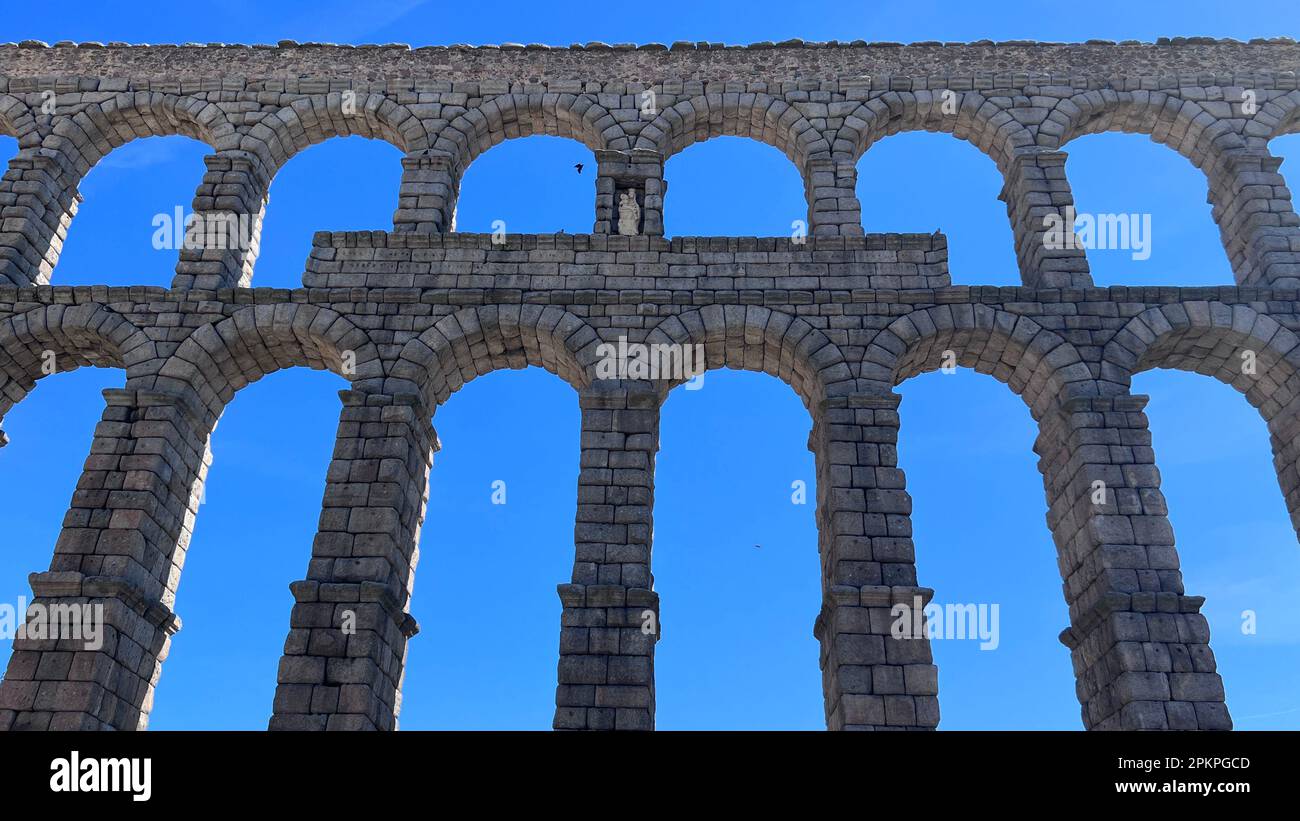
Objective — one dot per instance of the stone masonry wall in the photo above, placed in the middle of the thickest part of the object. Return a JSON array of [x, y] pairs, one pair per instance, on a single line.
[[842, 316], [682, 266]]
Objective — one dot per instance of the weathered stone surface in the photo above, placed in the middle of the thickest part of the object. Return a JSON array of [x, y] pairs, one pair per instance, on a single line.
[[410, 316]]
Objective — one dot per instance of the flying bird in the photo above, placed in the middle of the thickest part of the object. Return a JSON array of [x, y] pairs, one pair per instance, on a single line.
[[578, 166]]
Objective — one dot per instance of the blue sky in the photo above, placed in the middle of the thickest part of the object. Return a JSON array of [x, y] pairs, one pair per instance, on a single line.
[[737, 650]]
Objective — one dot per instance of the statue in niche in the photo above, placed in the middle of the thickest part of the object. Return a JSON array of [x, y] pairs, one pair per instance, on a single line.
[[629, 215]]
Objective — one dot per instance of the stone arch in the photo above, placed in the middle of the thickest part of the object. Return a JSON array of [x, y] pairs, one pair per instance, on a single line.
[[244, 173], [1037, 364], [87, 131], [284, 132], [1183, 125], [1254, 215], [757, 116], [77, 335], [507, 116], [753, 338], [58, 151], [1208, 338], [220, 358], [977, 120], [475, 341], [828, 190]]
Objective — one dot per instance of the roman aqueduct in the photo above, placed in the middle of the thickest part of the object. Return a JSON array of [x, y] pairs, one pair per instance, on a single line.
[[410, 315]]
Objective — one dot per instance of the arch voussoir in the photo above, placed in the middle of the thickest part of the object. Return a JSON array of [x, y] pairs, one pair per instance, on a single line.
[[475, 341]]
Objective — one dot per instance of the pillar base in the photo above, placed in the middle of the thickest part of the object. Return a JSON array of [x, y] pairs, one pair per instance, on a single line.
[[874, 679], [606, 672], [89, 655]]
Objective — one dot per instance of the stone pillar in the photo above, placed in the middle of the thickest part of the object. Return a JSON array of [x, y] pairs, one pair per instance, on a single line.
[[221, 243], [346, 651], [640, 171], [610, 621], [427, 200], [1040, 206], [1140, 647], [1259, 228], [120, 551], [37, 204], [872, 678], [831, 187]]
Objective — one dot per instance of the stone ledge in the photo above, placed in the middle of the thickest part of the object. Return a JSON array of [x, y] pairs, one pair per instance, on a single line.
[[614, 242], [1131, 403], [27, 298], [1117, 602], [73, 584], [140, 399], [884, 401], [621, 394], [310, 590], [872, 595], [607, 595]]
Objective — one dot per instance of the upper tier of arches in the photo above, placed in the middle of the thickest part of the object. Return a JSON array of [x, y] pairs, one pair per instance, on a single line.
[[62, 135]]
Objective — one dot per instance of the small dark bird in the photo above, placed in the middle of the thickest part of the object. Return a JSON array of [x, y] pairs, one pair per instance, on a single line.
[[578, 166]]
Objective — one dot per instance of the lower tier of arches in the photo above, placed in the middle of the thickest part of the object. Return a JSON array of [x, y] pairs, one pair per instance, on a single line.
[[1139, 643]]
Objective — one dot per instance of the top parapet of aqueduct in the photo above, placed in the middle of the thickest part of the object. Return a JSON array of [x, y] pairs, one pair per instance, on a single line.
[[654, 62]]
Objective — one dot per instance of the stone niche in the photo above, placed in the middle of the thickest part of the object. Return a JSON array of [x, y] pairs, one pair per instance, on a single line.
[[639, 172]]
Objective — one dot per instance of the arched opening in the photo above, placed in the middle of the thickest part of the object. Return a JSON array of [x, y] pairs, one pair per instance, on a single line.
[[50, 433], [733, 186], [735, 558], [529, 185], [252, 537], [966, 445], [1236, 544], [497, 539], [342, 184], [1147, 205], [1287, 146], [1039, 367], [919, 182], [130, 226]]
